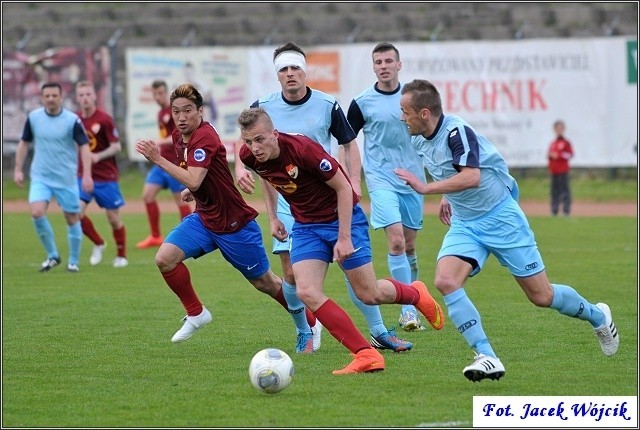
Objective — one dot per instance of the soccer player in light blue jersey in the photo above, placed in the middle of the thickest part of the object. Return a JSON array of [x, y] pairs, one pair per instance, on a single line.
[[395, 206], [480, 204], [56, 133], [317, 115]]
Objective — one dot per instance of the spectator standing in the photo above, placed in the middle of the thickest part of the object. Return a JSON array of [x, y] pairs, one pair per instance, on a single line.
[[104, 142], [480, 206], [559, 154], [57, 135], [157, 179]]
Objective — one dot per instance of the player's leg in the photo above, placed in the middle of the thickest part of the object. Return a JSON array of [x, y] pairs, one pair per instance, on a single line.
[[189, 239], [69, 201], [39, 198], [154, 182], [109, 197], [88, 229]]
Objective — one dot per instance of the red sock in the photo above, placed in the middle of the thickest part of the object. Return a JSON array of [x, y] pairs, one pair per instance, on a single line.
[[405, 293], [153, 213], [341, 326], [120, 236], [179, 280], [311, 318], [184, 210], [89, 230]]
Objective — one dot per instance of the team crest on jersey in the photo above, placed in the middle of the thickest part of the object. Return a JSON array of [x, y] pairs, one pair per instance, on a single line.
[[325, 165], [292, 171], [95, 128], [199, 155]]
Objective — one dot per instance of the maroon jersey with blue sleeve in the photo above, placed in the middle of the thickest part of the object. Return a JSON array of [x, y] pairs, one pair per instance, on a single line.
[[218, 201], [102, 132], [300, 174]]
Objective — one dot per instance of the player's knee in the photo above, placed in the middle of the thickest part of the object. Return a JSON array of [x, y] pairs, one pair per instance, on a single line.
[[446, 284]]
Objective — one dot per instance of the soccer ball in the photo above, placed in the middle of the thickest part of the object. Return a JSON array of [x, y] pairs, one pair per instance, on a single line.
[[271, 370]]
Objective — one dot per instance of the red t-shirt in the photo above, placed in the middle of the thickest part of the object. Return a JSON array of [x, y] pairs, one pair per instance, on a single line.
[[300, 174], [562, 148], [102, 133], [218, 201], [167, 127]]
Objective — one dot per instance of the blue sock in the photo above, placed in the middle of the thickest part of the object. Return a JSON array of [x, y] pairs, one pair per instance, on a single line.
[[371, 312], [296, 307], [401, 271], [413, 264], [74, 233], [466, 318], [568, 302], [46, 236]]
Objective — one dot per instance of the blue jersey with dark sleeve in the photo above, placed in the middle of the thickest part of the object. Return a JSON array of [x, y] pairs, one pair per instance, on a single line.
[[455, 144]]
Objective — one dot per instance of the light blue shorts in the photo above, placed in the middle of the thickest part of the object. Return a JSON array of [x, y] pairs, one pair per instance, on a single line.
[[243, 249], [389, 207], [159, 177], [316, 241], [107, 194], [287, 220], [67, 198], [503, 232]]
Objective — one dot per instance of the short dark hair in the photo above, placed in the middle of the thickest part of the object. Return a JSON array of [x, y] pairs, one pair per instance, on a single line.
[[51, 85], [384, 47], [187, 91], [424, 95], [158, 83], [289, 46]]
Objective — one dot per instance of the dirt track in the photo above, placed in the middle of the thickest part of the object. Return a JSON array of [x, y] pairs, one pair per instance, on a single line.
[[532, 208]]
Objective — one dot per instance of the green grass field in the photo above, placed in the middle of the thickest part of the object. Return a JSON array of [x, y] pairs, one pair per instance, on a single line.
[[93, 349]]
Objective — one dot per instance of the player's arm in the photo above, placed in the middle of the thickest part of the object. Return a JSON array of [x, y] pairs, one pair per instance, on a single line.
[[352, 163], [87, 179], [111, 151], [191, 177], [21, 154], [244, 177], [271, 202], [344, 246], [468, 177]]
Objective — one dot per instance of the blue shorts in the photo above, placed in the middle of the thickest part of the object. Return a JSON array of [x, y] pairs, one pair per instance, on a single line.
[[389, 207], [243, 249], [316, 241], [159, 177], [107, 194], [67, 198], [503, 232]]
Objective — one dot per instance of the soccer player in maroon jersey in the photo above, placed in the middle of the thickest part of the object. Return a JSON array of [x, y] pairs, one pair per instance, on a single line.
[[222, 219], [104, 143], [330, 226], [157, 179]]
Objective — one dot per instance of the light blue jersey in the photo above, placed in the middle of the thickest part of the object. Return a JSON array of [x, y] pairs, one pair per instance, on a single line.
[[55, 160], [455, 144], [387, 143], [318, 116]]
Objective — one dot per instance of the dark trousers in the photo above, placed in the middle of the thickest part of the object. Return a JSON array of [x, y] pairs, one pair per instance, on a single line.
[[560, 193]]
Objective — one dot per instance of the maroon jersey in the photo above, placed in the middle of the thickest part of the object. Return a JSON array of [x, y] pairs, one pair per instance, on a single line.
[[218, 202], [102, 133], [300, 174], [167, 126]]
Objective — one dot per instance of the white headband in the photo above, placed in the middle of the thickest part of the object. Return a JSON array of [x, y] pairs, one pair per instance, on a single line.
[[290, 58]]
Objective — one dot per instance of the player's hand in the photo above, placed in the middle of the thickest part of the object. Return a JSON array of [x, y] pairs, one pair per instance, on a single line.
[[444, 212], [412, 180], [18, 178], [245, 179], [342, 250], [87, 184], [278, 231], [186, 195], [148, 149]]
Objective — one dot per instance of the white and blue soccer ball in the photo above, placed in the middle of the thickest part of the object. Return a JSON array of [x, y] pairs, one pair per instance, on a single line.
[[271, 370]]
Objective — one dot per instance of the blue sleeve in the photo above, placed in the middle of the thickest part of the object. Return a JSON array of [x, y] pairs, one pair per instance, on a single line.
[[340, 128], [27, 134], [79, 133], [355, 117], [464, 148]]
